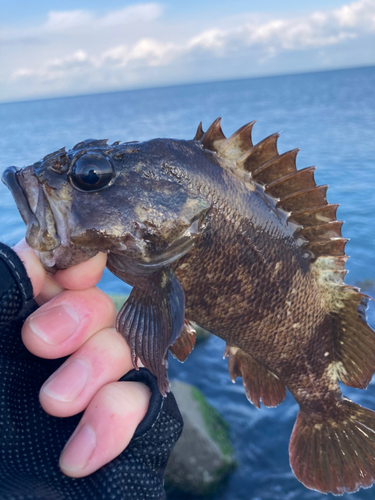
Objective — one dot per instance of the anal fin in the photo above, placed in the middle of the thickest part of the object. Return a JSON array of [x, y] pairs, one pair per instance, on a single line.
[[259, 382]]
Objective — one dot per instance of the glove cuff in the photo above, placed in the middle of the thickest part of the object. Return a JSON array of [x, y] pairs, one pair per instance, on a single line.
[[157, 404], [16, 291]]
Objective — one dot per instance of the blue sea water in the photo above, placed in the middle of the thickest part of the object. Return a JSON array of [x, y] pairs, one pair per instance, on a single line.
[[329, 116]]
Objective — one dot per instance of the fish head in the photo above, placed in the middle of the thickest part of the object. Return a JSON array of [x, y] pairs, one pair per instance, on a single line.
[[120, 199]]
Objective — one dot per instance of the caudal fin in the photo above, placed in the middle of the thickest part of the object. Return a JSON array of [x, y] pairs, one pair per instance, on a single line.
[[335, 454]]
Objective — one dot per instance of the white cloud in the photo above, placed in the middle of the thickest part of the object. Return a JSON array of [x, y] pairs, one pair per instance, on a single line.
[[134, 13], [317, 30], [97, 49], [65, 21], [148, 51], [56, 68], [356, 14], [211, 39]]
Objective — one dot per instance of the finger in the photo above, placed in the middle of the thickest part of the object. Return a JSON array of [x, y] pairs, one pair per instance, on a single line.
[[102, 359], [78, 277], [34, 268], [49, 290], [83, 275], [106, 427], [61, 326]]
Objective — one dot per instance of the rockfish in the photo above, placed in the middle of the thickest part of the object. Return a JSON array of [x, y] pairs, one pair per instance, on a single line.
[[231, 236]]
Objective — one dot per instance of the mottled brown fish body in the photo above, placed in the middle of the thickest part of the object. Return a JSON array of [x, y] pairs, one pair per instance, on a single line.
[[235, 237], [257, 292]]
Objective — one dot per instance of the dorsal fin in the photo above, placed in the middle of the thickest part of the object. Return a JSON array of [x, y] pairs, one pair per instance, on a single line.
[[295, 191]]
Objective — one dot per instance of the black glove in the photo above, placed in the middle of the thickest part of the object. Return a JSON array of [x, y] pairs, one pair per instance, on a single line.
[[31, 440]]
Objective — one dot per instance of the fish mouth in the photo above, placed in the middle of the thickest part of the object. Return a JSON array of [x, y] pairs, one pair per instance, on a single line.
[[41, 233], [48, 222]]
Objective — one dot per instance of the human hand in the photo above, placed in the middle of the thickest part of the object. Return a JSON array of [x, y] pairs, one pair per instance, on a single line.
[[76, 319]]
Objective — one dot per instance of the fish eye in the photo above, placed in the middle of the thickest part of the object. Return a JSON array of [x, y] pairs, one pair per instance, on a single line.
[[91, 172]]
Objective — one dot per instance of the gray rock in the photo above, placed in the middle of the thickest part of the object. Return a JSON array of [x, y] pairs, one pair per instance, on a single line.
[[203, 455]]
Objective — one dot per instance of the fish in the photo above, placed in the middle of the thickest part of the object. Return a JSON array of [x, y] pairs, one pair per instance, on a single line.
[[229, 235]]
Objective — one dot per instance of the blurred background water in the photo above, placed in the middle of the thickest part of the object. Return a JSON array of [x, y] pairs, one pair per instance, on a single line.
[[329, 115]]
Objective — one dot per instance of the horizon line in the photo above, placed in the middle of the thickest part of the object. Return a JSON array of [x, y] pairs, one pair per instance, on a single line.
[[192, 83]]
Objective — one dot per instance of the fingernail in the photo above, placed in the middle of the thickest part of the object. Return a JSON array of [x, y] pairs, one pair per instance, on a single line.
[[78, 449], [69, 381], [55, 325]]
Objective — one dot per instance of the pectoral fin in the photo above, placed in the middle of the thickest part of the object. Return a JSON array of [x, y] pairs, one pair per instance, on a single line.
[[152, 319]]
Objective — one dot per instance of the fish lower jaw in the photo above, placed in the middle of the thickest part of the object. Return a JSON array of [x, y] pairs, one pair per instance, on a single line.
[[63, 257], [48, 261], [34, 208], [56, 259]]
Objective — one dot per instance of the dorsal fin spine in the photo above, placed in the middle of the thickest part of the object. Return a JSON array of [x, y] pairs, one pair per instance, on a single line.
[[238, 142], [333, 247], [300, 179], [306, 198], [323, 231], [199, 133], [213, 135], [308, 217], [277, 167], [259, 154]]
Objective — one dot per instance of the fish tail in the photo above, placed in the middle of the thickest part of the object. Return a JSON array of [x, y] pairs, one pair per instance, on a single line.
[[334, 453]]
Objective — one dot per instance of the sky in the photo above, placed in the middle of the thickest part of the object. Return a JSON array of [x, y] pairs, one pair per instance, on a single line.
[[51, 48]]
